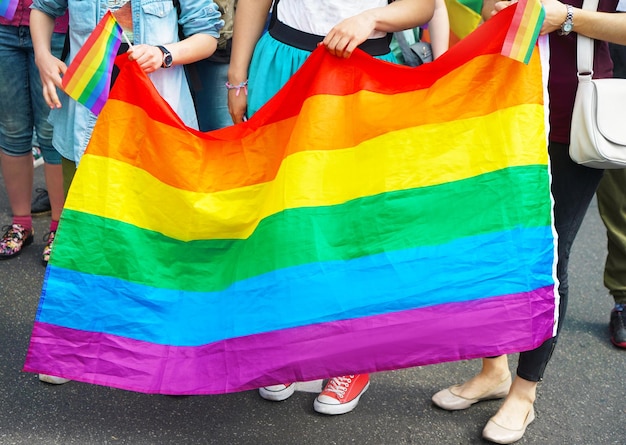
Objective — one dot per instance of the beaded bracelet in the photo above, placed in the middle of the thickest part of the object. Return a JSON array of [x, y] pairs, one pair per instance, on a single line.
[[243, 85]]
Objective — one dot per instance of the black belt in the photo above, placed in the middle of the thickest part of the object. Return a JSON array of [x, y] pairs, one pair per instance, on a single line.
[[308, 42]]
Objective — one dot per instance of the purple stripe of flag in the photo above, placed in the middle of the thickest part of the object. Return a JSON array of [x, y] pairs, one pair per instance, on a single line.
[[389, 342]]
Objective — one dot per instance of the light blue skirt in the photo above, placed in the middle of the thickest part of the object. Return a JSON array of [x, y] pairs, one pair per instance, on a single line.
[[272, 65]]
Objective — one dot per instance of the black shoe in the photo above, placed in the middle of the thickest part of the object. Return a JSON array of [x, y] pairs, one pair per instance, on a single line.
[[617, 328], [41, 203]]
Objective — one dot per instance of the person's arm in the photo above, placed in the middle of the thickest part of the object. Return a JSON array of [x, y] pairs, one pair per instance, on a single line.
[[201, 23], [50, 68], [191, 49], [439, 29], [597, 25], [610, 27], [343, 39], [250, 18]]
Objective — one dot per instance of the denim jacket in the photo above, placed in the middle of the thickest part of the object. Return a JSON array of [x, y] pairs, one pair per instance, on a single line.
[[155, 22]]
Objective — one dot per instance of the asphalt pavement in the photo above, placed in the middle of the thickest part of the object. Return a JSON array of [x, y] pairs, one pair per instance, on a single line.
[[581, 401]]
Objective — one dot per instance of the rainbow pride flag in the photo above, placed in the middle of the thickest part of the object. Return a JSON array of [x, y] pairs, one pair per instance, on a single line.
[[8, 8], [354, 224], [88, 78], [524, 30]]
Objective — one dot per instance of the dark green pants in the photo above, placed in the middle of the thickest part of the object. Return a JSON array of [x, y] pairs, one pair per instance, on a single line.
[[69, 168], [612, 207]]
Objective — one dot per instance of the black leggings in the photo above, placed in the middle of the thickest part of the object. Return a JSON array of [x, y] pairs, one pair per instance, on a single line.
[[573, 187]]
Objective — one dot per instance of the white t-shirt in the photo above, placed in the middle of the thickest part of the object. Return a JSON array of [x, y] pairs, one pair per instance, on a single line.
[[318, 17]]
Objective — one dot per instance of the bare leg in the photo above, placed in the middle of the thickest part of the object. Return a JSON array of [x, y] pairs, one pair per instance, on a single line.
[[516, 413], [512, 414], [18, 172], [54, 184], [493, 372]]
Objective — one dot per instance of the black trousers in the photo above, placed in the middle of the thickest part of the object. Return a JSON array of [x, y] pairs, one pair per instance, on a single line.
[[573, 187]]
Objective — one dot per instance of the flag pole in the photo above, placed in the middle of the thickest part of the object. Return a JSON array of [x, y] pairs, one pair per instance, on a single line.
[[126, 38]]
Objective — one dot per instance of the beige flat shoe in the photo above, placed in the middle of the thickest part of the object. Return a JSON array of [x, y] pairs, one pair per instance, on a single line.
[[499, 434], [447, 399], [53, 380]]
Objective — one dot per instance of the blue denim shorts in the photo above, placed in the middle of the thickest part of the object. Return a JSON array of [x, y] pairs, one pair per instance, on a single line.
[[207, 80], [22, 107]]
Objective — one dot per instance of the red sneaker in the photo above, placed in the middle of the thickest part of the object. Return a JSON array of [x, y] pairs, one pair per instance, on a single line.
[[341, 394], [277, 393]]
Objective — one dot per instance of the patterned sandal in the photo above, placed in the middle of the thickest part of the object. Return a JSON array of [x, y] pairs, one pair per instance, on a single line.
[[49, 238], [15, 238]]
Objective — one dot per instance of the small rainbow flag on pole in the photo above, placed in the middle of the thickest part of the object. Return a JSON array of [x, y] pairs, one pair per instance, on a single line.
[[8, 8], [337, 231], [524, 30], [88, 78]]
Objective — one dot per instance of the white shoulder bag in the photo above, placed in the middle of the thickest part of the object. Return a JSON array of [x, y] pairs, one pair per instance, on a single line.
[[598, 134]]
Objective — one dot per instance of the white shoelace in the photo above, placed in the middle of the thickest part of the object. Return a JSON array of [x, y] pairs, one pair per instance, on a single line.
[[339, 385]]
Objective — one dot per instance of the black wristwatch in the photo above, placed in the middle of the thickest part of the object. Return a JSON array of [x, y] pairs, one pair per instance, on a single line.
[[167, 57], [568, 24]]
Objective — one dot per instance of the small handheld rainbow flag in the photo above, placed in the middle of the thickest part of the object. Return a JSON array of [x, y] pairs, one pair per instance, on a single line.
[[88, 78], [524, 30], [8, 8]]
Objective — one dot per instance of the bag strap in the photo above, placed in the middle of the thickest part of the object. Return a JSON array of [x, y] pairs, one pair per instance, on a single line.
[[274, 14], [409, 56], [584, 45]]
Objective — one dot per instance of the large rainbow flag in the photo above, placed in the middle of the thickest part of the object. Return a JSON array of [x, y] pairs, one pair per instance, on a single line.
[[370, 217]]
